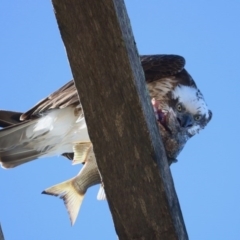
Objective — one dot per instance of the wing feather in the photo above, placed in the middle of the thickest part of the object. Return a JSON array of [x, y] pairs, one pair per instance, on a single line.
[[161, 66]]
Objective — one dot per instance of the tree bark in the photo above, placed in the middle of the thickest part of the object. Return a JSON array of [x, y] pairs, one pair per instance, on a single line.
[[1, 233], [121, 123]]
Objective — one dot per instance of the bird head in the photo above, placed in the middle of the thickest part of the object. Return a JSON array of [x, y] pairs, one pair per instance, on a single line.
[[185, 115], [189, 108]]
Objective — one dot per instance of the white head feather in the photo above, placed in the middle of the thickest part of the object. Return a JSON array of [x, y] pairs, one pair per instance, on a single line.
[[192, 99]]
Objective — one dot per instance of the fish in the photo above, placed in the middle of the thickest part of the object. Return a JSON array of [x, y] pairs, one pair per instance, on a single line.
[[73, 190]]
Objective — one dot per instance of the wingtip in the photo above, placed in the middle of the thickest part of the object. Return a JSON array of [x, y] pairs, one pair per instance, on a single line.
[[6, 165]]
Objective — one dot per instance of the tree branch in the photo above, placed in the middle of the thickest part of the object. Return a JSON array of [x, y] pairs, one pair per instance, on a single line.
[[1, 233], [121, 124]]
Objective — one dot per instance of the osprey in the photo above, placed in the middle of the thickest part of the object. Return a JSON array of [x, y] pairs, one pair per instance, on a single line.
[[56, 123]]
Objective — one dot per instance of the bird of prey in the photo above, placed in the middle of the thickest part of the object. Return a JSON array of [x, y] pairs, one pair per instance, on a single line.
[[55, 123]]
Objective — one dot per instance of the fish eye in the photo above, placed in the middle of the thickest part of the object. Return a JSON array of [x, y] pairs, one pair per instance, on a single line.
[[197, 117], [179, 107]]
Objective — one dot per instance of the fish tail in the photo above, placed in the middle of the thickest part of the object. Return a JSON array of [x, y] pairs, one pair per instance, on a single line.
[[71, 197]]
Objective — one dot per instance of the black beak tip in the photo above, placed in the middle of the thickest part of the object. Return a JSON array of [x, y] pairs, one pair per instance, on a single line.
[[185, 121]]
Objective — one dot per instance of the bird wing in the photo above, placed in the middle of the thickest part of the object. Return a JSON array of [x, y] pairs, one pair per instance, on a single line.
[[158, 67]]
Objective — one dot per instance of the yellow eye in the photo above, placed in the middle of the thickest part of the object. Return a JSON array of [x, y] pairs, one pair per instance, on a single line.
[[197, 117], [179, 107]]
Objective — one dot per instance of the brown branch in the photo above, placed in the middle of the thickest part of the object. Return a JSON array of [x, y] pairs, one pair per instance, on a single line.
[[122, 127], [1, 233]]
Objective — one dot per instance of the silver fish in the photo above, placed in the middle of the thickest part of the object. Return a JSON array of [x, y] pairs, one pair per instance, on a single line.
[[73, 190]]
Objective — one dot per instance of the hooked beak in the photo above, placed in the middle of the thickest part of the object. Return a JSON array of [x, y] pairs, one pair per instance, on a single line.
[[185, 120]]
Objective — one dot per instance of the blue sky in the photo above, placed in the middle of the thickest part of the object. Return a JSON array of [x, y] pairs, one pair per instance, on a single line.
[[34, 63]]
